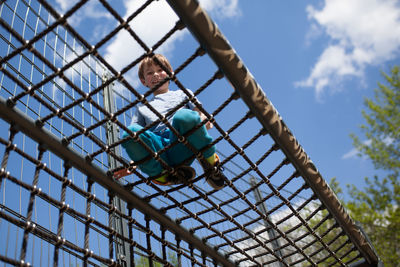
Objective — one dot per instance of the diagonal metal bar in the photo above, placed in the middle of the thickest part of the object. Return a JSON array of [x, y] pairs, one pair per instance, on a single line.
[[27, 125], [214, 42], [271, 232]]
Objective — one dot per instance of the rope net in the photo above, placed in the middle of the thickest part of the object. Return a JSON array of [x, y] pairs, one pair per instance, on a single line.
[[64, 105]]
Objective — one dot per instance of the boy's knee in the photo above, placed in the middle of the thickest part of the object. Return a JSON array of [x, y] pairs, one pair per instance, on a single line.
[[134, 128], [186, 117]]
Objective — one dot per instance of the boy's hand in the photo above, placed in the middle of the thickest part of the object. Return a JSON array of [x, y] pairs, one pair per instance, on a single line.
[[203, 117], [124, 172], [209, 125]]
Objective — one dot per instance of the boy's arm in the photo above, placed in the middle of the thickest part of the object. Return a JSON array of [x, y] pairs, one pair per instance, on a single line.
[[138, 118], [203, 117]]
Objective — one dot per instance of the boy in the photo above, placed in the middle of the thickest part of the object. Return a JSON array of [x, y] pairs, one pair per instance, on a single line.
[[159, 136]]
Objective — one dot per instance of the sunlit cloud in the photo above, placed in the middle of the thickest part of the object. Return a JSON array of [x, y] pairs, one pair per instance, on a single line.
[[90, 10], [221, 8], [355, 153], [362, 33]]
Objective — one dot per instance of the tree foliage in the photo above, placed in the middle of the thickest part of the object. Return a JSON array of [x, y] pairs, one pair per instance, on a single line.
[[144, 261], [382, 128], [330, 233], [376, 206]]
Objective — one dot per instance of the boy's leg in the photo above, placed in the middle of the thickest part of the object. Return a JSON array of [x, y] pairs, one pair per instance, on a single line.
[[137, 152], [183, 121]]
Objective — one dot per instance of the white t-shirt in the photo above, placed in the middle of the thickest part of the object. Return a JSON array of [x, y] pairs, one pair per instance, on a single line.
[[163, 103]]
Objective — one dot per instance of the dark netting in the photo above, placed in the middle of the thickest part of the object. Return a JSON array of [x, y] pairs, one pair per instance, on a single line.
[[63, 108]]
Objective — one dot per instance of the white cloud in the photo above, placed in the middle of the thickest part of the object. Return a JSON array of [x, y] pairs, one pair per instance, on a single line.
[[352, 154], [288, 223], [361, 32], [387, 140], [151, 25], [65, 4], [90, 10], [221, 8]]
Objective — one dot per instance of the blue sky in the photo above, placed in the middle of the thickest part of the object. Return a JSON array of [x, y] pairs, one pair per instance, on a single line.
[[316, 61]]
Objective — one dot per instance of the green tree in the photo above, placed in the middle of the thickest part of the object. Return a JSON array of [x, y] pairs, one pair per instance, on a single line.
[[376, 206], [326, 228], [143, 261]]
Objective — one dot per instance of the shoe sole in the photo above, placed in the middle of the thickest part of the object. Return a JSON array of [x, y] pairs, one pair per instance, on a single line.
[[212, 183], [208, 170], [187, 169]]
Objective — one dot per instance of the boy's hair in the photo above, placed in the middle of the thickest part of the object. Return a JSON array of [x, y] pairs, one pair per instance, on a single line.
[[147, 61]]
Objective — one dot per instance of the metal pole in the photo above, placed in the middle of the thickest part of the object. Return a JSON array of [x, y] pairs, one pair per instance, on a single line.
[[112, 136], [263, 209]]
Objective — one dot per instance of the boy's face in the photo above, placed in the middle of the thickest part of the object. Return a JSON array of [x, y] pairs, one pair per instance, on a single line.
[[153, 74]]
